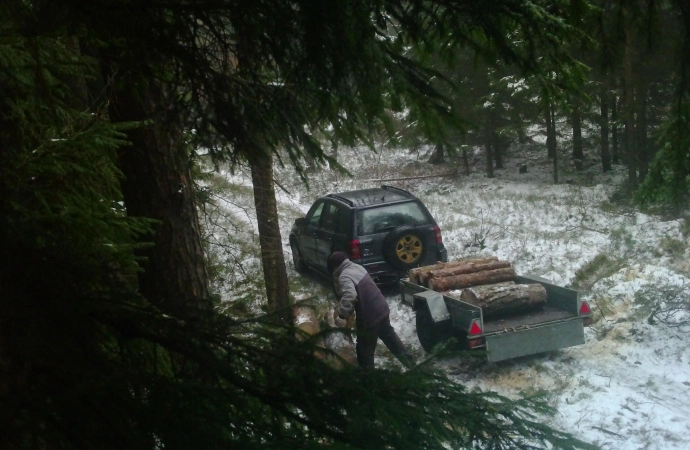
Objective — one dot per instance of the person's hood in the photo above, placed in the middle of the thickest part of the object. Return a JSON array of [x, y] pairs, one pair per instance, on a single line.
[[341, 267]]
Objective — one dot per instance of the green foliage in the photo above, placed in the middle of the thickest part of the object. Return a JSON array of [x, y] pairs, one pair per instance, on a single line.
[[85, 361], [669, 178]]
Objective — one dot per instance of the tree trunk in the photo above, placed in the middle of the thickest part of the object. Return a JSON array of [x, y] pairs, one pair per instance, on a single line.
[[470, 267], [550, 131], [501, 300], [643, 148], [157, 184], [629, 114], [555, 147], [604, 127], [488, 133], [472, 279], [615, 152], [272, 257], [499, 150], [465, 160], [438, 157], [578, 155]]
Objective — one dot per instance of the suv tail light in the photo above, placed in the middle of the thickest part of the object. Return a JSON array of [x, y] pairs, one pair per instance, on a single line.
[[439, 238], [354, 249]]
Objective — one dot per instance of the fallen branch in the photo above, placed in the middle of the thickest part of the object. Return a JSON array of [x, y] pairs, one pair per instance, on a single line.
[[604, 430], [451, 174]]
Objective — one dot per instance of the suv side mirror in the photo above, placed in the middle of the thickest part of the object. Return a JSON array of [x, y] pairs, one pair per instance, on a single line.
[[300, 222]]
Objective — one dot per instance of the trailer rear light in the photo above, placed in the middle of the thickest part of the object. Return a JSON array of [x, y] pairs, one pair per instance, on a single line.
[[475, 329], [586, 311], [439, 237], [354, 249], [584, 308]]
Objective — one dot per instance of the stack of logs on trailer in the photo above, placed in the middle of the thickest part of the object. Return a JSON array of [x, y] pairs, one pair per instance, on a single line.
[[485, 282]]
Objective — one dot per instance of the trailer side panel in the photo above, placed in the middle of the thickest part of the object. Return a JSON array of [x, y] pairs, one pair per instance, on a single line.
[[538, 339]]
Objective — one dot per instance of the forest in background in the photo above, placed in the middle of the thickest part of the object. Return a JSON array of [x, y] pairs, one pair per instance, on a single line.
[[110, 333]]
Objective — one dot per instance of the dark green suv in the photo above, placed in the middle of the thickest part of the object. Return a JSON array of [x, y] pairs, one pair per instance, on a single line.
[[387, 230]]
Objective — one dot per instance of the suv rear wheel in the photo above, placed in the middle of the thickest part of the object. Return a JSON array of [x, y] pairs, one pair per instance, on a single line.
[[404, 248]]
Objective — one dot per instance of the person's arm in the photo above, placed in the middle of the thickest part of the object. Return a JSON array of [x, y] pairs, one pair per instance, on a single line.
[[348, 298]]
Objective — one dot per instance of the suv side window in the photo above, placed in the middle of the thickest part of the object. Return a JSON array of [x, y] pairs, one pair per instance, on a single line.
[[332, 218], [315, 214]]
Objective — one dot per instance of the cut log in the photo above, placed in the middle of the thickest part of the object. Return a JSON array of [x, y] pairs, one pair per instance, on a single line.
[[472, 279], [415, 274], [470, 267], [457, 293], [305, 319], [422, 274], [498, 301]]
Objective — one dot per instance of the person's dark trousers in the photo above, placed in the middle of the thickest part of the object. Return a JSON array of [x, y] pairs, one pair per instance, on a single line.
[[367, 339]]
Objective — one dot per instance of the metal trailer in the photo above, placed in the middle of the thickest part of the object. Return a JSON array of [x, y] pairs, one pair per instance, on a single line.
[[559, 324]]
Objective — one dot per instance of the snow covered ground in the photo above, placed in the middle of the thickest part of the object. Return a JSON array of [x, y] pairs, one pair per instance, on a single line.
[[628, 386]]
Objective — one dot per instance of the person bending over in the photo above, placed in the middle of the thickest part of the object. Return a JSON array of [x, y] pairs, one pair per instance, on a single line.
[[358, 293]]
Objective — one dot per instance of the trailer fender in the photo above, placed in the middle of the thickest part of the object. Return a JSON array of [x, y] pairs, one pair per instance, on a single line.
[[434, 303], [433, 319]]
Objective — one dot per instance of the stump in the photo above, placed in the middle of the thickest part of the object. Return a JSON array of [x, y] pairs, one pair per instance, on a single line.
[[472, 279], [502, 300], [305, 319]]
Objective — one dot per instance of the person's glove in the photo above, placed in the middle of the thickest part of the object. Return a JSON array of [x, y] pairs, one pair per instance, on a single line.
[[340, 323]]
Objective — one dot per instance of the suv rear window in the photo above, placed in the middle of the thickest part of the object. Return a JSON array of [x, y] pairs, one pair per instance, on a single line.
[[384, 218]]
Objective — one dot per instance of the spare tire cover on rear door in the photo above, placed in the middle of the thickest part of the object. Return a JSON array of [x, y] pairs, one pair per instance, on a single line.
[[405, 247]]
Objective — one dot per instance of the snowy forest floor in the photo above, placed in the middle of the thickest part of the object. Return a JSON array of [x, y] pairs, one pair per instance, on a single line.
[[627, 387]]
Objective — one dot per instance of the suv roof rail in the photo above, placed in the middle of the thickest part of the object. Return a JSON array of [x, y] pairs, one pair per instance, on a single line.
[[342, 199], [393, 188]]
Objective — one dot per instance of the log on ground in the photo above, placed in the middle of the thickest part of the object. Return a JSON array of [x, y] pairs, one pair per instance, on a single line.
[[502, 300], [472, 279]]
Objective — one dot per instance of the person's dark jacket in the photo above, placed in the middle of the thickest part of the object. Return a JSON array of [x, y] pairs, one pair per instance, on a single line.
[[359, 293]]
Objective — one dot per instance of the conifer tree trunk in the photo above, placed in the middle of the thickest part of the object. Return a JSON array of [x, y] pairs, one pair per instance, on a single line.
[[550, 131], [438, 157], [552, 119], [629, 113], [614, 131], [643, 148], [272, 257], [157, 184], [465, 160], [604, 127], [498, 150], [489, 153], [578, 155]]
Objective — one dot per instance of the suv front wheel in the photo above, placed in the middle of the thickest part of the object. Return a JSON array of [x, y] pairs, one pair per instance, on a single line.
[[404, 248]]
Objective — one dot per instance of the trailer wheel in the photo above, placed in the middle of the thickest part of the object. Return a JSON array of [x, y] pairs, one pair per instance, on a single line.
[[429, 332]]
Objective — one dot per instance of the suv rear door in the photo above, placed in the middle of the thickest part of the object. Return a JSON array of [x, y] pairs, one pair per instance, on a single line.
[[376, 223]]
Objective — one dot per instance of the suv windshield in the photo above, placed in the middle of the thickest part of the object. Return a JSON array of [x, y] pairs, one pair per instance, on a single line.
[[378, 220]]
